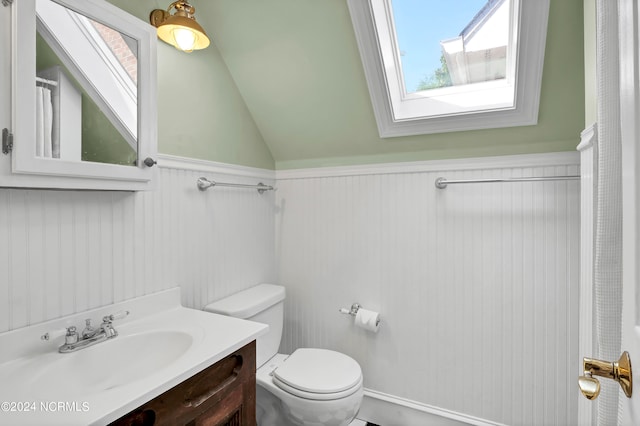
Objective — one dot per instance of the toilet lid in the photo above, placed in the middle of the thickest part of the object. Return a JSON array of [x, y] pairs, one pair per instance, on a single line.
[[320, 371]]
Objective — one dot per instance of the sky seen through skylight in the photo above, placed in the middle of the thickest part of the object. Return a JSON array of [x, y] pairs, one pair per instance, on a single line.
[[421, 25]]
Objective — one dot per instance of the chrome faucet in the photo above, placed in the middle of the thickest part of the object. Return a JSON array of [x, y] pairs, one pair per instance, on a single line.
[[90, 336], [88, 330]]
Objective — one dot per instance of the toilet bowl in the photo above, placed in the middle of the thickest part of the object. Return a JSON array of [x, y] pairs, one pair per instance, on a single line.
[[285, 403], [310, 387]]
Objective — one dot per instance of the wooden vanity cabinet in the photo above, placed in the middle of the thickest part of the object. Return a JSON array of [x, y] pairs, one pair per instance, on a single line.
[[223, 394]]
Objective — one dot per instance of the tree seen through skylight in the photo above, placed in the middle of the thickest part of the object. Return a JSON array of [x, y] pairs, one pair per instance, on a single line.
[[422, 26]]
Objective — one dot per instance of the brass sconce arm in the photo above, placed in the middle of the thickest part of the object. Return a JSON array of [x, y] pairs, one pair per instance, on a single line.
[[158, 16], [179, 29]]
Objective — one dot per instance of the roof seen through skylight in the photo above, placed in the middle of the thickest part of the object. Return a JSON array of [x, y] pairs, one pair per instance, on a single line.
[[421, 27]]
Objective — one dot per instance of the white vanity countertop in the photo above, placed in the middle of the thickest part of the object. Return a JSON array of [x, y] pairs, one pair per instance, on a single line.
[[160, 344]]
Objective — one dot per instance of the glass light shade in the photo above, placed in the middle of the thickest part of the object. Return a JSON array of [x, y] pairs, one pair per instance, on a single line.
[[184, 38], [183, 33]]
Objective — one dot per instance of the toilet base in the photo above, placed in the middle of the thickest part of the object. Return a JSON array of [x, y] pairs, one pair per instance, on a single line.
[[270, 411], [275, 407]]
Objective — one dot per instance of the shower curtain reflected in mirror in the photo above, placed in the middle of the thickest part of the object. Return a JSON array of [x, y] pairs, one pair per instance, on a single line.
[[46, 146]]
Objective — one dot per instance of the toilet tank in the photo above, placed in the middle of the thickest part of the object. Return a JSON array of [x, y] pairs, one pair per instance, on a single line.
[[262, 303]]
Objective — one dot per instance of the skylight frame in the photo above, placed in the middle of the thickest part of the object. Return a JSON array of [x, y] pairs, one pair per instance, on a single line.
[[406, 116]]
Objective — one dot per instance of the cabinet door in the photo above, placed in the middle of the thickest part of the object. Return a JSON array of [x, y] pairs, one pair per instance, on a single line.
[[5, 70], [100, 136], [221, 395], [227, 412]]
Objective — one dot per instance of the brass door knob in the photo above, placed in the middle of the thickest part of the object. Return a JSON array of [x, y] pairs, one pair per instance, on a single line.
[[619, 371], [589, 386]]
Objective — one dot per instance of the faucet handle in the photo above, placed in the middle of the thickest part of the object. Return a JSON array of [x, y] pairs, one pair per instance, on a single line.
[[54, 334], [107, 320], [72, 336], [116, 316], [88, 330], [50, 335]]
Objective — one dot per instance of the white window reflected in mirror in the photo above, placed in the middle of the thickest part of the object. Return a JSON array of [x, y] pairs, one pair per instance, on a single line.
[[86, 95]]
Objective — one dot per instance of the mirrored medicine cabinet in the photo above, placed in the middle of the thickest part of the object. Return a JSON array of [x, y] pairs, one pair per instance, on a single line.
[[83, 83]]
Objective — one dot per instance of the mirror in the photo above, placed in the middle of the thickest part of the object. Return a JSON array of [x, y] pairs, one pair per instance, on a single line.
[[84, 97], [86, 94]]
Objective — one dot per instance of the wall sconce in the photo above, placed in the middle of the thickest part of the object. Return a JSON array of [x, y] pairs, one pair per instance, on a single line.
[[180, 29]]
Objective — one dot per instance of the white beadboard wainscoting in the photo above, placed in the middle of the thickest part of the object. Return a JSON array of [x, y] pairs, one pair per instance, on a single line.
[[63, 252], [477, 284]]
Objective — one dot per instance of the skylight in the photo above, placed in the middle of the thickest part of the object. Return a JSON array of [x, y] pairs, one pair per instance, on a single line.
[[435, 66]]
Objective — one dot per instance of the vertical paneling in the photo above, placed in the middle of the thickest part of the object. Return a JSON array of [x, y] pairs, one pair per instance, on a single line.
[[17, 260], [63, 252], [477, 285], [5, 274]]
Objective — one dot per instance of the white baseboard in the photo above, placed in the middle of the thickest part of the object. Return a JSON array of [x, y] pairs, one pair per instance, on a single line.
[[388, 410]]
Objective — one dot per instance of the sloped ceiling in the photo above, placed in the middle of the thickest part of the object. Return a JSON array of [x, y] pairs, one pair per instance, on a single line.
[[297, 67]]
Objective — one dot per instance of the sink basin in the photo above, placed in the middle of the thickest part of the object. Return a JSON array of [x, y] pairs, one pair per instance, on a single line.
[[93, 369], [160, 345]]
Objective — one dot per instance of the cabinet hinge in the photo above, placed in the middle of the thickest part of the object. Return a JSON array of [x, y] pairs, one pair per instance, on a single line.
[[6, 2], [7, 141]]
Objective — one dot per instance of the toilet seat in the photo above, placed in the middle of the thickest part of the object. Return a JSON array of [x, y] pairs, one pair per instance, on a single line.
[[318, 374]]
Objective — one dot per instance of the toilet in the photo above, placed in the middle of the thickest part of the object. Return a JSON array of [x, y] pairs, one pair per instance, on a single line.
[[310, 387]]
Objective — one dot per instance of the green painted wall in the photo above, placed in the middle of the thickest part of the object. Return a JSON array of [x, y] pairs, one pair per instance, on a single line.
[[201, 113], [590, 82], [101, 141], [298, 68], [283, 81]]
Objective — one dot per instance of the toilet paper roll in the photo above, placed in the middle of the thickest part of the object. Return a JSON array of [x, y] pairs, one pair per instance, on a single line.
[[369, 320]]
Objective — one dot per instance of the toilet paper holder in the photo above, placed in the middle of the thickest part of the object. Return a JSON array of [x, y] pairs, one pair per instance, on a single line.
[[367, 321], [353, 311]]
